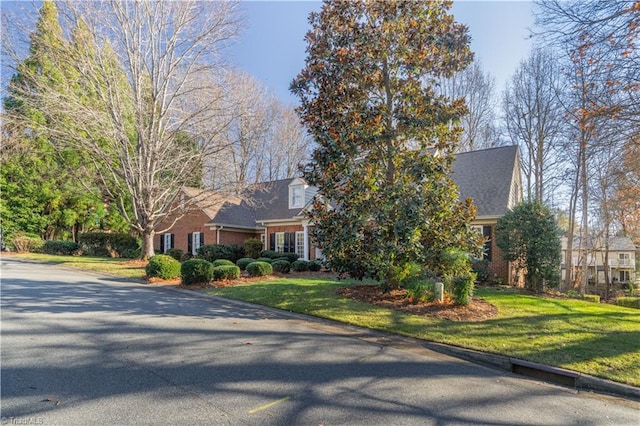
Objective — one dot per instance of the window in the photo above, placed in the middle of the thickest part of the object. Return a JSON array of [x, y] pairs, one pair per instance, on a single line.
[[624, 259], [485, 231], [283, 242], [279, 242], [195, 240], [166, 242], [624, 276], [300, 244]]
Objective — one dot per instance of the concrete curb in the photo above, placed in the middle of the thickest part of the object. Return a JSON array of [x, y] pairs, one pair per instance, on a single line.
[[556, 375]]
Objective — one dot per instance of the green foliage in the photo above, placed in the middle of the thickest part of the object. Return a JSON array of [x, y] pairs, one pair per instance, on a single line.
[[242, 263], [264, 259], [480, 267], [300, 266], [176, 253], [253, 247], [629, 302], [196, 271], [163, 266], [366, 98], [453, 263], [226, 272], [270, 254], [132, 253], [222, 262], [64, 248], [112, 244], [528, 235], [282, 266], [462, 288], [26, 243], [315, 266], [291, 257], [212, 252], [259, 269], [592, 298]]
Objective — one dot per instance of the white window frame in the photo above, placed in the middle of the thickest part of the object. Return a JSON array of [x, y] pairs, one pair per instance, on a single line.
[[300, 244], [167, 242], [296, 201], [196, 242], [279, 242], [624, 259]]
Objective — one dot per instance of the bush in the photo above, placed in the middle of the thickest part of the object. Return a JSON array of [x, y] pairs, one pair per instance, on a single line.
[[175, 253], [186, 257], [282, 266], [264, 259], [420, 291], [300, 266], [112, 244], [212, 252], [26, 243], [252, 247], [291, 257], [270, 254], [592, 298], [629, 302], [196, 271], [132, 253], [226, 272], [481, 269], [163, 266], [463, 288], [259, 269], [222, 262], [315, 266], [242, 263], [63, 248]]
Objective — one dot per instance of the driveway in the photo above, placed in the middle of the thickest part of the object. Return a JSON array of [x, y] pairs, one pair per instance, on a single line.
[[81, 348]]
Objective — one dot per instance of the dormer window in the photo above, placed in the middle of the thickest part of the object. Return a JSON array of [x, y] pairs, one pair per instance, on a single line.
[[296, 194]]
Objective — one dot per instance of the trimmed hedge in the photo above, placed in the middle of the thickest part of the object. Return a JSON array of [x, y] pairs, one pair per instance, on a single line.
[[282, 266], [270, 254], [163, 266], [264, 259], [196, 271], [300, 266], [592, 298], [291, 257], [62, 248], [315, 266], [629, 302], [212, 252], [108, 244], [222, 262], [226, 272], [242, 263], [259, 269]]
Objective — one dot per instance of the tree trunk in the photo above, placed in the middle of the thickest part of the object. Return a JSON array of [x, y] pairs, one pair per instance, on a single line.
[[147, 244]]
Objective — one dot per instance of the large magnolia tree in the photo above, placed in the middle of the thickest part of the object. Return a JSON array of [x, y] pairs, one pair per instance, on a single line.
[[135, 91], [385, 139]]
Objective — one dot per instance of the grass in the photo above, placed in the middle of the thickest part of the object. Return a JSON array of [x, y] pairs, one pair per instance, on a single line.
[[119, 267], [597, 339]]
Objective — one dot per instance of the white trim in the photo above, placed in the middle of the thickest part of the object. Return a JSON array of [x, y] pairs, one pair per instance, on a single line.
[[305, 230]]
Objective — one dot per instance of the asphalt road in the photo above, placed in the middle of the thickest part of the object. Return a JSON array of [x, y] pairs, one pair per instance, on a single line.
[[80, 348]]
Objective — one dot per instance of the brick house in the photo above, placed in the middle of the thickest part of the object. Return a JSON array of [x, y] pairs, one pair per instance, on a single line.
[[272, 211]]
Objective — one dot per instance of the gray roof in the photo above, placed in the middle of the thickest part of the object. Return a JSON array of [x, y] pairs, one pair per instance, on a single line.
[[485, 176], [615, 243]]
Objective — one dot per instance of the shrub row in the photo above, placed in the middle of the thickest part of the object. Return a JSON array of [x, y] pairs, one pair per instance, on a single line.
[[629, 302], [107, 244], [26, 243], [61, 248]]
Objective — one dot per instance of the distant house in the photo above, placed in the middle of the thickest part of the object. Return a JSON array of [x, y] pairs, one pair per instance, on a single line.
[[621, 261], [273, 211]]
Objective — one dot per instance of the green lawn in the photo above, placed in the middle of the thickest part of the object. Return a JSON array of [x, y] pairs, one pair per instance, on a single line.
[[598, 339]]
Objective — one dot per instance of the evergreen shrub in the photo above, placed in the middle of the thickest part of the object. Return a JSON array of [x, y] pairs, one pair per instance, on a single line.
[[242, 263], [61, 248], [315, 266], [300, 266], [282, 266], [270, 254], [163, 266], [196, 271], [265, 259], [462, 288], [252, 247], [259, 269], [226, 272], [629, 302], [111, 244], [211, 252], [27, 243], [222, 262], [176, 253]]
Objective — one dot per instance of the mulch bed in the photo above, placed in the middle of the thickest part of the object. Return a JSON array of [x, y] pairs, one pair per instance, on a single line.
[[476, 310]]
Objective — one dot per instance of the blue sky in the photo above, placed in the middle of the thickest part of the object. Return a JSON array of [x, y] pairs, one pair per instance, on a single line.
[[272, 47]]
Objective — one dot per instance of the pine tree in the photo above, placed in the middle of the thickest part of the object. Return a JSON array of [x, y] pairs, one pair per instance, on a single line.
[[385, 139]]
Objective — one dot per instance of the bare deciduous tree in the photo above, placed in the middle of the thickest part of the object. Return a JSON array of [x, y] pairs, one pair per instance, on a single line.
[[138, 86], [477, 88], [533, 118]]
